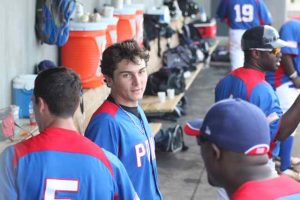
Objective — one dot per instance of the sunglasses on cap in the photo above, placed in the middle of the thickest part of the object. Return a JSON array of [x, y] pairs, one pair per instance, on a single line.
[[274, 51]]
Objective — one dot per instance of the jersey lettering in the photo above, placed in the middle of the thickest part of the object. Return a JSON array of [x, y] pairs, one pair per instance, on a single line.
[[59, 185], [244, 13], [143, 149]]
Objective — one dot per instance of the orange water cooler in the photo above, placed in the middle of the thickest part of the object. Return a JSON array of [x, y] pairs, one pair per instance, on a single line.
[[83, 51], [139, 21], [126, 27], [111, 32]]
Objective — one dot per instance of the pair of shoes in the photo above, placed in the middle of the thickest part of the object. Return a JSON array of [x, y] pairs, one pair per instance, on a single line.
[[292, 174], [295, 160]]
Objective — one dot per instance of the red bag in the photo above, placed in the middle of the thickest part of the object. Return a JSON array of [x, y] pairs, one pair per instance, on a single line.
[[7, 127]]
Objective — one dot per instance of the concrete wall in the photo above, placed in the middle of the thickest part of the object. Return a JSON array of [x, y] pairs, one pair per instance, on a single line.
[[20, 50]]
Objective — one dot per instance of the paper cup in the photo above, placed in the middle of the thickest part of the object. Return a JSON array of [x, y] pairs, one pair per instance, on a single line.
[[161, 96], [118, 4], [108, 11], [171, 93]]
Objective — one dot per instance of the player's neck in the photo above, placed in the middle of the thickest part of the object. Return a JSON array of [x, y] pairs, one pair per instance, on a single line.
[[59, 122], [253, 66], [244, 174], [121, 101]]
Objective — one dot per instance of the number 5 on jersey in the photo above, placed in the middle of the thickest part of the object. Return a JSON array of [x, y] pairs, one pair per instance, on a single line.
[[59, 185]]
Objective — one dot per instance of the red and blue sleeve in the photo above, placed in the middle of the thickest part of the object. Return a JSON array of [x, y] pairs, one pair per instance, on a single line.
[[265, 17], [103, 130], [123, 183], [7, 175]]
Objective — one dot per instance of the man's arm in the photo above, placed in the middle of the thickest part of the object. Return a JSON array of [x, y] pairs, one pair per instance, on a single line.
[[264, 14], [289, 121], [124, 187], [7, 176], [222, 11], [289, 69]]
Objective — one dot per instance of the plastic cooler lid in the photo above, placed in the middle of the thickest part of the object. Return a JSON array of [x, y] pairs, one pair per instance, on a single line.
[[110, 20], [204, 24], [125, 11], [25, 81], [137, 6], [87, 26]]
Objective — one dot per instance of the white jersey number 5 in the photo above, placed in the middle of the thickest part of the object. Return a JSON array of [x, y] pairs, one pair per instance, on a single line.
[[244, 13], [59, 185]]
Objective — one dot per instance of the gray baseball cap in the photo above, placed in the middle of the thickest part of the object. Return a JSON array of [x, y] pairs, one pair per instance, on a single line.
[[263, 37]]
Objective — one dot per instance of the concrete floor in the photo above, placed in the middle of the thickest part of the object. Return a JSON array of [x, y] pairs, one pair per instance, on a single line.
[[182, 174]]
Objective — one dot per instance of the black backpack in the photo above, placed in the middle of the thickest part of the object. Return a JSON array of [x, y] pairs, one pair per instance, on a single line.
[[180, 57], [170, 139], [188, 7], [153, 29], [165, 79]]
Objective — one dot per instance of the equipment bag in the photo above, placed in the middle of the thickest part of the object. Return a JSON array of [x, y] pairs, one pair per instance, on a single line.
[[165, 79], [170, 139], [179, 57], [153, 29], [52, 20]]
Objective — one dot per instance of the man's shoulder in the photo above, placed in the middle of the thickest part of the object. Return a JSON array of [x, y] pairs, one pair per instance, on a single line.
[[107, 107], [252, 189]]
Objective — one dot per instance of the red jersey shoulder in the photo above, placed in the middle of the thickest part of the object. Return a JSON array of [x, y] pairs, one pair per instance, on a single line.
[[250, 77], [107, 107]]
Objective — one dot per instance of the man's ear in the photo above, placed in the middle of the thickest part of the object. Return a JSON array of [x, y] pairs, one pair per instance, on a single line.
[[41, 104], [216, 151], [108, 80], [255, 54]]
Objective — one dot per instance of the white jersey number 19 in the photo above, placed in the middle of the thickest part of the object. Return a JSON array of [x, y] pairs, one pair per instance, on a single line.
[[244, 13]]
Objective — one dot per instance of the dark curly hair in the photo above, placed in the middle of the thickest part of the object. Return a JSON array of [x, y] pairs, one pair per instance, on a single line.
[[128, 50], [60, 88]]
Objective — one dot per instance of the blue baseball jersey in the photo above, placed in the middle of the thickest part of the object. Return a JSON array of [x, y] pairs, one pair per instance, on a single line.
[[243, 14], [290, 32], [129, 138], [62, 164], [250, 85], [279, 188]]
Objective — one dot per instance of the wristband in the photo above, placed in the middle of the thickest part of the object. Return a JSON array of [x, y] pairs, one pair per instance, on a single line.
[[294, 75]]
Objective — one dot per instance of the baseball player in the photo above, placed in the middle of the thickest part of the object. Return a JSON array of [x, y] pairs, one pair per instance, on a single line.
[[60, 163], [241, 15], [119, 124], [261, 46], [286, 82], [235, 154]]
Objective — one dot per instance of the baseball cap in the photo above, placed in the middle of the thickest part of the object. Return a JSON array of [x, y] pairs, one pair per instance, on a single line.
[[192, 127], [236, 125], [263, 37]]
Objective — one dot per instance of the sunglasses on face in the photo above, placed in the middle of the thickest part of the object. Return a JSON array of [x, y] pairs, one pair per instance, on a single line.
[[274, 51]]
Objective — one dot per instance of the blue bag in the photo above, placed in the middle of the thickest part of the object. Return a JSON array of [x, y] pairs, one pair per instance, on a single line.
[[52, 20]]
